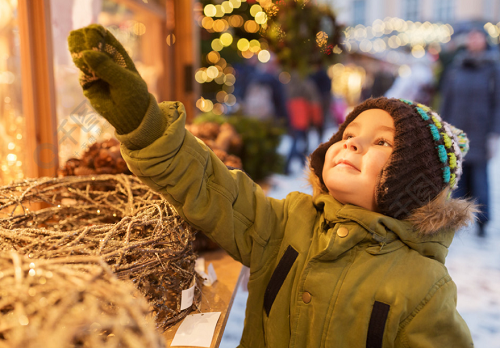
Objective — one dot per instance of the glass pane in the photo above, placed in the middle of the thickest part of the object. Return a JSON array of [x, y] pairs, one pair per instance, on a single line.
[[78, 125], [12, 122]]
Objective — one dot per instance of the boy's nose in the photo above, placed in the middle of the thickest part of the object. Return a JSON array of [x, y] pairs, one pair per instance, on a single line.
[[351, 145]]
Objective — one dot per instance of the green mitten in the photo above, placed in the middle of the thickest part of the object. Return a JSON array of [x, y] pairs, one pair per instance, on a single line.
[[109, 78]]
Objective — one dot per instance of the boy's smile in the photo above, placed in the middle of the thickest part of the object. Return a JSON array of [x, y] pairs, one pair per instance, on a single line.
[[353, 165]]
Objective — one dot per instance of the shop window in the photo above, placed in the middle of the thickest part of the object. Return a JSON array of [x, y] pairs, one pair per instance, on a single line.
[[12, 122], [78, 125]]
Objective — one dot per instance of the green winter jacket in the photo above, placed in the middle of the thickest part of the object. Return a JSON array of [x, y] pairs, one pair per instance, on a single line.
[[322, 274]]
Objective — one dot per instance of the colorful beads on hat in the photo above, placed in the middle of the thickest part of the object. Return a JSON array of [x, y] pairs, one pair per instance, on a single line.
[[423, 114], [406, 101], [436, 122], [446, 174], [435, 132], [424, 107], [453, 180], [442, 153], [447, 140], [452, 160]]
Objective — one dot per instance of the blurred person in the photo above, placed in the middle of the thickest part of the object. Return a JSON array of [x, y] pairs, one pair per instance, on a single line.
[[264, 96], [470, 100], [304, 109], [324, 87]]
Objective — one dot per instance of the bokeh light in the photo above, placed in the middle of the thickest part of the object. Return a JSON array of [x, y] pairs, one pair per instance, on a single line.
[[243, 44], [255, 9], [210, 10], [285, 77], [226, 39], [217, 45], [264, 56]]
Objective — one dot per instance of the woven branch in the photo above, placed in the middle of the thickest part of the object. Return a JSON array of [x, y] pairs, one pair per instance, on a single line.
[[113, 217], [47, 304]]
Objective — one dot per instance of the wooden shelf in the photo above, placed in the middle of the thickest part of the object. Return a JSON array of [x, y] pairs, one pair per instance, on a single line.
[[218, 297]]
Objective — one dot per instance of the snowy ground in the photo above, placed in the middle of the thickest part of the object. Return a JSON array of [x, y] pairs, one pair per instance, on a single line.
[[473, 263]]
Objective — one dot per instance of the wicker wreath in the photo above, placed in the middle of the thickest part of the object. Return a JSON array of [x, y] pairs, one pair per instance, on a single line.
[[45, 304], [115, 218]]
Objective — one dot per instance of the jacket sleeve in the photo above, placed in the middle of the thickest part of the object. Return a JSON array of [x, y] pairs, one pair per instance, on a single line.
[[225, 204], [436, 323]]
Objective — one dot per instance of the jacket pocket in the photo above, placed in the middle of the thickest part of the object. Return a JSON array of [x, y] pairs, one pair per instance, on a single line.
[[278, 277]]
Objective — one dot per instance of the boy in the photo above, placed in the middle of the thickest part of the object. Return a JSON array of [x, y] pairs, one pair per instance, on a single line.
[[361, 263]]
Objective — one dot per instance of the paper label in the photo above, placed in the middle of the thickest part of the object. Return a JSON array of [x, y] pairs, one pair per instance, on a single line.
[[197, 330], [212, 276], [187, 296]]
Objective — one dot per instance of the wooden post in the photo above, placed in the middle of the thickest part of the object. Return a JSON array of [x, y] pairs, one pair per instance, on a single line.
[[186, 54], [38, 88]]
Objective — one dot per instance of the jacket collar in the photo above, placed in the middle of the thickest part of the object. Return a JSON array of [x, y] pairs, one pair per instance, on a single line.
[[386, 230]]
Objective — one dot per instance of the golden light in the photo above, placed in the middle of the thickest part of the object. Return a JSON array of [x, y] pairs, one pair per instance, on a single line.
[[247, 54], [404, 71], [219, 12], [221, 96], [207, 23], [227, 7], [379, 45], [321, 38], [139, 29], [212, 72], [170, 39], [220, 79], [255, 46], [217, 45], [251, 26], [221, 25], [255, 9], [243, 45], [394, 41], [261, 18], [201, 76], [229, 70], [218, 109], [226, 39], [11, 158], [11, 146], [418, 51], [230, 80], [213, 57], [227, 88], [264, 56], [235, 3], [204, 105], [210, 10], [365, 45], [285, 77], [222, 64], [230, 99], [236, 21]]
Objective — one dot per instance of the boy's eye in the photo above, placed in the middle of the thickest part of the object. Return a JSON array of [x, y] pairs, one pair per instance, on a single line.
[[383, 142], [348, 136]]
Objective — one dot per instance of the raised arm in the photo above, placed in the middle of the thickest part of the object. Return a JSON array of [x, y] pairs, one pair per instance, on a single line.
[[225, 204]]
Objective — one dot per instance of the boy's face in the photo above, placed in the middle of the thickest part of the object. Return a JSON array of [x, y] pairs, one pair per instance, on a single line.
[[353, 165]]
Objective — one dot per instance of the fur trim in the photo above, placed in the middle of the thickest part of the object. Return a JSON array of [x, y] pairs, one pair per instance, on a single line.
[[440, 215], [443, 214]]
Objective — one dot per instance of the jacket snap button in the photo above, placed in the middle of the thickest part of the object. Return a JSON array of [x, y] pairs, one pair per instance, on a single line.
[[306, 297], [342, 232]]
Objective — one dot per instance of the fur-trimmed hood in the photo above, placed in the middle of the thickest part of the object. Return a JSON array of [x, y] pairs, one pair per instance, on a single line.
[[443, 215]]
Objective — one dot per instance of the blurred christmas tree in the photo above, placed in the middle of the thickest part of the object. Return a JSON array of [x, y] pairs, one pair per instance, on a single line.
[[299, 32]]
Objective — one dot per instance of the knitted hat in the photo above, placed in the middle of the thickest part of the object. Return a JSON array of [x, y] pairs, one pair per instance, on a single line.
[[426, 159]]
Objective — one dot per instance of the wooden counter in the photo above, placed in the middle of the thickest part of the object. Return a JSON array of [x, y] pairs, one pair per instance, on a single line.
[[218, 297]]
